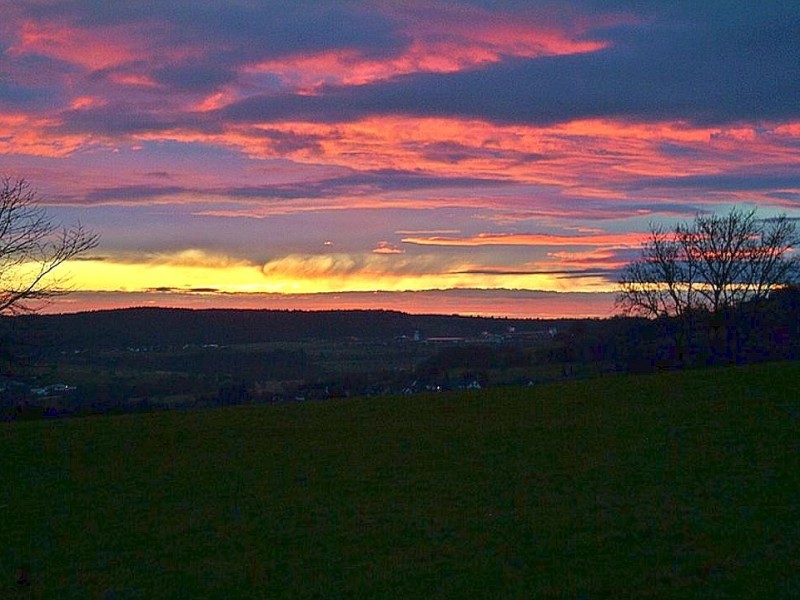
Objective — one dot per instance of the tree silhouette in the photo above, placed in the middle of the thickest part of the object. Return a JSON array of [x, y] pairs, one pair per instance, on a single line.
[[718, 270], [715, 263], [32, 247]]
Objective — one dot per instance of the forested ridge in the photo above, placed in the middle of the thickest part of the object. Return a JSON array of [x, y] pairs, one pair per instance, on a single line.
[[167, 326]]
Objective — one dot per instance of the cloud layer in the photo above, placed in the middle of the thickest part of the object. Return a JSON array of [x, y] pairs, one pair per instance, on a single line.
[[522, 141]]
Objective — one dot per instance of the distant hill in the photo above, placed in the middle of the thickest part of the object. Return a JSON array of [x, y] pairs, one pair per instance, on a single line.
[[169, 327]]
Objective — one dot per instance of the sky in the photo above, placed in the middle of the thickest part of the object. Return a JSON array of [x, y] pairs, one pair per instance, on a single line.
[[471, 157]]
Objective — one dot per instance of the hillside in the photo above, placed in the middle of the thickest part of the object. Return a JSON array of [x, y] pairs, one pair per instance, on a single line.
[[167, 327], [680, 484]]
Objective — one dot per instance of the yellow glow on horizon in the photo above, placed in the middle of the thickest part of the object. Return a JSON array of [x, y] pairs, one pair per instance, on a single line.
[[196, 272]]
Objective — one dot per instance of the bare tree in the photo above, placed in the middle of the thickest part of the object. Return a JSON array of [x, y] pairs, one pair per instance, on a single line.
[[32, 247], [716, 263]]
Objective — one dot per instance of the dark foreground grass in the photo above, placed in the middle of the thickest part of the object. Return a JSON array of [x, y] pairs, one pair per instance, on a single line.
[[677, 484]]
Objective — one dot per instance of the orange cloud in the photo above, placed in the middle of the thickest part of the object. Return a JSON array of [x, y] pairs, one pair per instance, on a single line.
[[451, 39], [86, 102], [28, 135], [133, 79], [387, 248], [597, 160], [94, 49], [591, 158], [605, 257], [532, 239]]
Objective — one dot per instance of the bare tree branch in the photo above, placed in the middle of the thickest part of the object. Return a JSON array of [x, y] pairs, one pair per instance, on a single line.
[[716, 263], [32, 248]]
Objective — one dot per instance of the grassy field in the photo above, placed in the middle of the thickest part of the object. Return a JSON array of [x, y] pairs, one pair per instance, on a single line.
[[673, 484]]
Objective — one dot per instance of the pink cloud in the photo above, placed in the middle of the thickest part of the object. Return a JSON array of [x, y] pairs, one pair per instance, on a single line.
[[628, 239], [387, 248]]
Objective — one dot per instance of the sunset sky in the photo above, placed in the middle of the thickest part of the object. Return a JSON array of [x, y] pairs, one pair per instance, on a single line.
[[472, 157]]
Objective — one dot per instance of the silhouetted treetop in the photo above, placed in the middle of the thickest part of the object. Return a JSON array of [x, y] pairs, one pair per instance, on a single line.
[[718, 262]]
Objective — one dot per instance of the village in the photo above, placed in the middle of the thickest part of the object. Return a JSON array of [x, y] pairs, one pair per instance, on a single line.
[[133, 378]]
